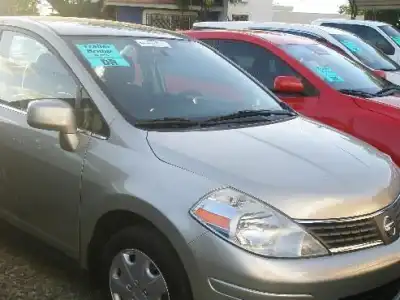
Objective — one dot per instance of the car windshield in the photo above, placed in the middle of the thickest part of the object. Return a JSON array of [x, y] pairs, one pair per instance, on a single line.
[[366, 53], [335, 69], [149, 79], [392, 32]]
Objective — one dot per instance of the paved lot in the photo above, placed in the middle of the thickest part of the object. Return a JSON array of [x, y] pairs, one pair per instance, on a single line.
[[29, 271]]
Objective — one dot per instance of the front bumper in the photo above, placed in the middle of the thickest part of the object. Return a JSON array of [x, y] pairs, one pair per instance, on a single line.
[[227, 272]]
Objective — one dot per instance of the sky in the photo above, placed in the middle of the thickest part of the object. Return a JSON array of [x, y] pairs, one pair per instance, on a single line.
[[315, 6]]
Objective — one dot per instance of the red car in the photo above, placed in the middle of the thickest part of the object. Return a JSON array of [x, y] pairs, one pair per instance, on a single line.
[[318, 82]]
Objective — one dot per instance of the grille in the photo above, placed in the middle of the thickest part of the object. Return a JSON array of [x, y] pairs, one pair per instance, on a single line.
[[350, 234], [385, 292], [342, 236]]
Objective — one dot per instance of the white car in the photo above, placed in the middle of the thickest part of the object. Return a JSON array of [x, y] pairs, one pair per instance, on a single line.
[[382, 35], [342, 41]]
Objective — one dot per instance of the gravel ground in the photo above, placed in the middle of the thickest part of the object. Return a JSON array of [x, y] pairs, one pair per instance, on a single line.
[[29, 270]]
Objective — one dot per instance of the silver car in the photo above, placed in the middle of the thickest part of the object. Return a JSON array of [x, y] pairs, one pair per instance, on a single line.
[[171, 174]]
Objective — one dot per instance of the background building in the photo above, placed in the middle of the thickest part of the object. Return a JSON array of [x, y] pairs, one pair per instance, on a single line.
[[167, 14], [266, 11]]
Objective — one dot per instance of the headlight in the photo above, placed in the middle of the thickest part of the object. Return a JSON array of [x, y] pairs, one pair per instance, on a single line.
[[254, 226]]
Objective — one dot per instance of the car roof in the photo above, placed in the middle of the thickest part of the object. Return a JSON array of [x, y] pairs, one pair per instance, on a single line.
[[347, 21], [276, 38], [223, 24], [321, 30], [83, 27]]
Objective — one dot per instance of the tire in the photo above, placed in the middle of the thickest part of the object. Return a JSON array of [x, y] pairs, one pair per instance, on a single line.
[[145, 242]]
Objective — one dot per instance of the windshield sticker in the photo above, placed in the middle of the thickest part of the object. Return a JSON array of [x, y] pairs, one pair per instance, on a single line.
[[328, 74], [153, 43], [396, 39], [351, 46], [102, 55]]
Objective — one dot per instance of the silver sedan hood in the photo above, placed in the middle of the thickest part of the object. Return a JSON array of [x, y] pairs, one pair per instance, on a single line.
[[302, 168]]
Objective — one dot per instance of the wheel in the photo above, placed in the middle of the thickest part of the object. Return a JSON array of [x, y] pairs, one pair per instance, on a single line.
[[139, 264]]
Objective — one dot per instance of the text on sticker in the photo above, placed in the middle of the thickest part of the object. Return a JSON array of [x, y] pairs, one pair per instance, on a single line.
[[396, 39], [351, 46], [153, 43], [328, 74], [102, 55]]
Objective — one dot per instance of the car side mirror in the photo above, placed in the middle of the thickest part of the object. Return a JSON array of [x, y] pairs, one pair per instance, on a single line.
[[55, 115], [379, 73], [288, 85]]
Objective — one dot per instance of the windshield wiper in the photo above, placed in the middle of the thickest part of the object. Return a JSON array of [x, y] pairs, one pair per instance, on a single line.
[[356, 93], [167, 123], [254, 115], [389, 90]]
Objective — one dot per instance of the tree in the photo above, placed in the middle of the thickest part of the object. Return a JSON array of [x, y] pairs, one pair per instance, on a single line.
[[350, 9], [18, 7], [81, 8]]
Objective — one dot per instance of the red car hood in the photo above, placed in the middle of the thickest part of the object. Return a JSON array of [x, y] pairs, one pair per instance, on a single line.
[[389, 105]]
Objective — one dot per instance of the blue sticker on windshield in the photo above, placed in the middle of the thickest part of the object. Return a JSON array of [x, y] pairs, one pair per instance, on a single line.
[[328, 74], [396, 39], [102, 55], [351, 46]]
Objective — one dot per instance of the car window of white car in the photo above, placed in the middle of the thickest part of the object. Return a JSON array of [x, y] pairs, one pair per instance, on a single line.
[[392, 32], [366, 53], [336, 70], [259, 62], [368, 34]]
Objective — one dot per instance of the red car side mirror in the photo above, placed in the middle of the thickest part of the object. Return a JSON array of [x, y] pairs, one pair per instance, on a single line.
[[288, 85], [380, 73]]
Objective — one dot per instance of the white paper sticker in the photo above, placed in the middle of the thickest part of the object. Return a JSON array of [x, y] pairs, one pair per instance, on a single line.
[[153, 43]]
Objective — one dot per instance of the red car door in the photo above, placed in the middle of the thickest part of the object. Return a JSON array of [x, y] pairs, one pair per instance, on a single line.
[[302, 104]]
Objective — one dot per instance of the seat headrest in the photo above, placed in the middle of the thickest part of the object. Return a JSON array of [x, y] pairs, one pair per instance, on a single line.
[[120, 74], [48, 62]]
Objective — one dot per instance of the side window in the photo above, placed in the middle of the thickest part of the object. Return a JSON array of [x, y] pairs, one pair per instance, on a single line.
[[89, 117], [320, 40], [333, 47], [262, 64], [211, 43], [374, 38], [29, 71]]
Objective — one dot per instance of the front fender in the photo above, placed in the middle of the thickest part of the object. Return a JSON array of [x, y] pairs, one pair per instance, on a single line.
[[158, 192]]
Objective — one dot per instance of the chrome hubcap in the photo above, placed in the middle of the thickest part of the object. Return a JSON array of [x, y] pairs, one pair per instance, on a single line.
[[134, 276]]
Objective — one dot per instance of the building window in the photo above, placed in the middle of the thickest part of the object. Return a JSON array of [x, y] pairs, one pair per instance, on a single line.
[[240, 17], [169, 19]]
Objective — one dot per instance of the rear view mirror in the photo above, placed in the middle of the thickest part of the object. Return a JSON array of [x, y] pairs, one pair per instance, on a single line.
[[55, 115], [288, 85]]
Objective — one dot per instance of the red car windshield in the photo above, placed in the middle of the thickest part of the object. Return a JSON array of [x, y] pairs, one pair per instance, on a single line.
[[152, 78], [338, 71], [367, 54]]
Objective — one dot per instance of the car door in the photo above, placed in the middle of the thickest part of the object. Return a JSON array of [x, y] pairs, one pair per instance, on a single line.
[[40, 182], [266, 66]]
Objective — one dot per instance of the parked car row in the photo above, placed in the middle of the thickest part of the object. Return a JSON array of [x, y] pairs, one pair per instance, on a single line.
[[171, 170]]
